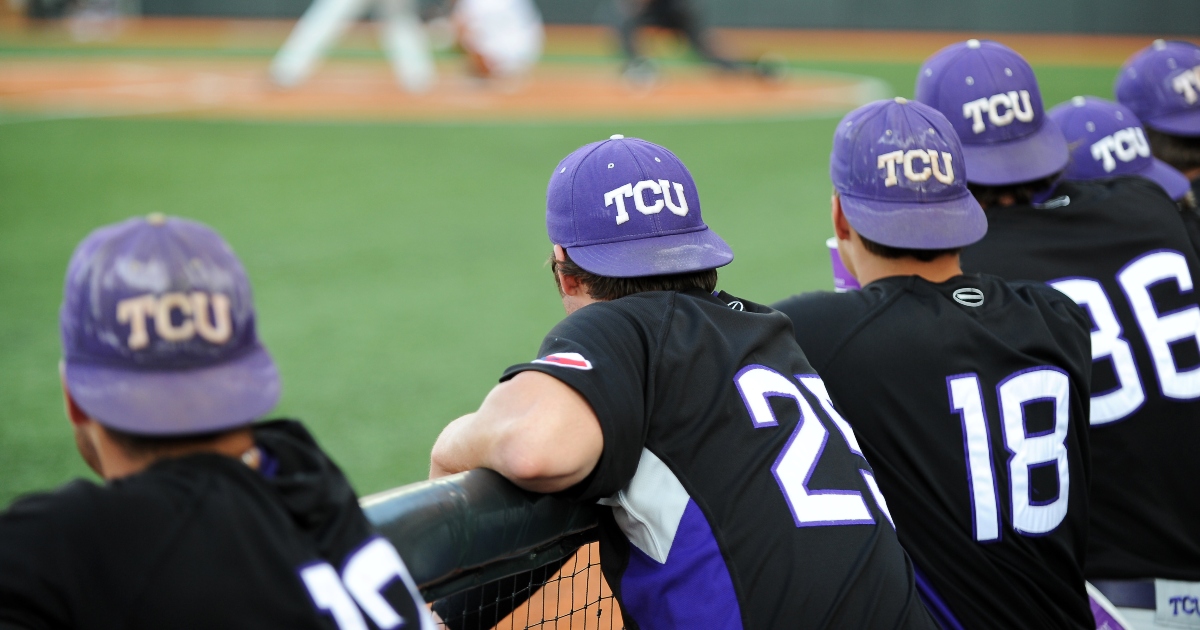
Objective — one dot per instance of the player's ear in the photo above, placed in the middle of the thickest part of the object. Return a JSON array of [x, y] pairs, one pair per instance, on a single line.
[[841, 227], [567, 285], [74, 412]]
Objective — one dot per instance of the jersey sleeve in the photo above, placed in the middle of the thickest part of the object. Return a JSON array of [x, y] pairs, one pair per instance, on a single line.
[[602, 352]]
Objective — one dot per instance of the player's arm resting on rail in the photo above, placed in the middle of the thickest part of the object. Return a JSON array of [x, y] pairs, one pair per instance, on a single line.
[[534, 429]]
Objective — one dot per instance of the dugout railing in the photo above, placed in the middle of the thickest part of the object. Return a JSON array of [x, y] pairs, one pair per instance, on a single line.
[[487, 554]]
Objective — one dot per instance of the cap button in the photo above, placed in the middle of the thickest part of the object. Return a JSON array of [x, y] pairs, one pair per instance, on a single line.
[[901, 100], [1078, 101], [616, 136], [1159, 44], [972, 43], [156, 218]]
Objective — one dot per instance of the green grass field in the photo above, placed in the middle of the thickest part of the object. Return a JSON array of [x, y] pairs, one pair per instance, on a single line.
[[398, 268]]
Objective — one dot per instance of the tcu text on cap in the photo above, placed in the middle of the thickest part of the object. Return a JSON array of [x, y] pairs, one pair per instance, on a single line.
[[1187, 83], [1126, 144], [1001, 109], [638, 191], [215, 326], [929, 166]]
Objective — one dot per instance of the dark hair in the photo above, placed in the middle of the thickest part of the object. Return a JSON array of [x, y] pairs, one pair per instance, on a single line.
[[894, 253], [606, 288], [1021, 193], [1182, 152], [138, 445]]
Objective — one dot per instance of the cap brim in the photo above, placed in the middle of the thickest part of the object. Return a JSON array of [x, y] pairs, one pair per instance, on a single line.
[[909, 225], [655, 255], [1175, 183], [1181, 123], [1040, 154], [177, 402]]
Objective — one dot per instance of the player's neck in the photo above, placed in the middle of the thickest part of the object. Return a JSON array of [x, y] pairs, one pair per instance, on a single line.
[[870, 268], [117, 462], [1192, 174]]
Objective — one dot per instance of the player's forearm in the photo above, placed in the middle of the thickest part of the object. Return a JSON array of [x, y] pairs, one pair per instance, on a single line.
[[534, 430]]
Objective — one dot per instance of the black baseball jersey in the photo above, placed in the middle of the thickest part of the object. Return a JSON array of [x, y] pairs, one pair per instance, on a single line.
[[204, 542], [969, 398], [1119, 248], [736, 500]]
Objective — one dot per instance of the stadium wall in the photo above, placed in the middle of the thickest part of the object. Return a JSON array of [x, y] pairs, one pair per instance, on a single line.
[[1150, 17]]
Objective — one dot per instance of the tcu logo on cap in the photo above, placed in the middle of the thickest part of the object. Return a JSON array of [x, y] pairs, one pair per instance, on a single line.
[[1001, 109], [929, 166], [638, 192], [1126, 144], [1187, 83], [192, 306]]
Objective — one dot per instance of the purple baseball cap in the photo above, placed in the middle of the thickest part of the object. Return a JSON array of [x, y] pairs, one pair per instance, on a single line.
[[990, 95], [626, 208], [899, 169], [1161, 84], [158, 331], [1106, 139]]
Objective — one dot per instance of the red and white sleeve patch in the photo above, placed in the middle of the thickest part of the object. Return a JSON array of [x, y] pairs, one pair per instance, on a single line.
[[566, 359]]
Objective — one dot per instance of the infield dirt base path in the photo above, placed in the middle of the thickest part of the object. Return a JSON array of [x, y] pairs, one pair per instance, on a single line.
[[205, 68]]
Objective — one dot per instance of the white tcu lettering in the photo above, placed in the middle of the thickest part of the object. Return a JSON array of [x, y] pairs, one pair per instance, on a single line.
[[1126, 145], [678, 206], [888, 161], [639, 200], [1001, 109], [1187, 83], [931, 167], [909, 172], [618, 195], [214, 325]]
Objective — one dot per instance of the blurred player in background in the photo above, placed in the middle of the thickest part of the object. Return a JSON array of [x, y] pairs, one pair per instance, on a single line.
[[682, 17], [1120, 249], [501, 38], [1161, 84], [404, 41], [205, 520], [736, 498], [946, 377]]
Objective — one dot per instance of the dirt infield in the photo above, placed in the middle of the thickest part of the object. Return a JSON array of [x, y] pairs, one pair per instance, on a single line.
[[366, 90], [217, 69]]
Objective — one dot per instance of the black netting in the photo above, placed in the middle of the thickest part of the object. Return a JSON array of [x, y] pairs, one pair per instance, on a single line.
[[568, 594]]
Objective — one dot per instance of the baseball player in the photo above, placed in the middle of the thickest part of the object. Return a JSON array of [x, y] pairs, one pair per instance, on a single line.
[[1107, 140], [401, 30], [204, 519], [736, 499], [968, 394], [1161, 84], [502, 38], [1119, 248]]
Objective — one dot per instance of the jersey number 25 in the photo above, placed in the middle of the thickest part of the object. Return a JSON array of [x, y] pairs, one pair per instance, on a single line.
[[798, 459]]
